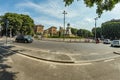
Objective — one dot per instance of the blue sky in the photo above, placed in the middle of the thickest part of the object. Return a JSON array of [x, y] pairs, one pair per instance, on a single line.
[[49, 12]]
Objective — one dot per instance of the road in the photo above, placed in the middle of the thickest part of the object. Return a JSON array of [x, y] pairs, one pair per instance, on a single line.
[[72, 48], [21, 67]]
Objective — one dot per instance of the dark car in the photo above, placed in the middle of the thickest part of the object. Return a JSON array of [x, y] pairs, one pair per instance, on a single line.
[[24, 38]]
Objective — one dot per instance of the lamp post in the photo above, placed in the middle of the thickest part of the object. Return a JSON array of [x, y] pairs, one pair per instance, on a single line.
[[64, 12], [95, 26], [7, 22], [11, 34], [0, 28]]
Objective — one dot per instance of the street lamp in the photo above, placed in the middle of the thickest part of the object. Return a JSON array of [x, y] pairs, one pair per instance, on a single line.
[[0, 27], [95, 26], [7, 22], [64, 12], [11, 33], [0, 30]]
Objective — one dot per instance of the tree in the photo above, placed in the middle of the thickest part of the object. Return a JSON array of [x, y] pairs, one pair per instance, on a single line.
[[84, 33], [74, 31], [27, 25], [111, 29], [101, 4], [18, 23], [98, 32]]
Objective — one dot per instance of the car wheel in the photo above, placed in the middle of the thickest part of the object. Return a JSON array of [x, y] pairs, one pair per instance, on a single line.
[[26, 41], [112, 45]]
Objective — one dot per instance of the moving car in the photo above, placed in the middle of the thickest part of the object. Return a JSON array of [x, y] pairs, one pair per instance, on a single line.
[[106, 41], [24, 38], [115, 43]]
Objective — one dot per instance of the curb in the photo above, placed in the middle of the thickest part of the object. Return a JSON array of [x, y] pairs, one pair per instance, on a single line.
[[57, 61], [117, 53]]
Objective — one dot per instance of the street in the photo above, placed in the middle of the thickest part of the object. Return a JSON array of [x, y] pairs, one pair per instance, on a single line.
[[22, 67], [71, 48]]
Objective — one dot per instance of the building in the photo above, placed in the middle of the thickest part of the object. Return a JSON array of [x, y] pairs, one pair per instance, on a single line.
[[39, 29], [46, 33], [52, 30]]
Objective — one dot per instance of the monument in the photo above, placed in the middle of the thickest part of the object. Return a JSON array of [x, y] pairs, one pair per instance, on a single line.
[[68, 30]]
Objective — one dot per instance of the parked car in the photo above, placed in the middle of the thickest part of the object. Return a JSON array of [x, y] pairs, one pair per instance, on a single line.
[[24, 38], [107, 41], [115, 43]]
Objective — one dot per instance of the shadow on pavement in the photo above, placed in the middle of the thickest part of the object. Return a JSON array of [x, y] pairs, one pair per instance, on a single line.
[[5, 74]]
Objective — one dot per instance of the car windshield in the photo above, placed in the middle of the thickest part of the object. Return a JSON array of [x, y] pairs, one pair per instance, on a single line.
[[28, 36], [115, 42]]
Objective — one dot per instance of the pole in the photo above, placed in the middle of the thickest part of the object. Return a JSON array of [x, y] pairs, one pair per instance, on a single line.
[[11, 34], [6, 29], [95, 26], [0, 30], [64, 25]]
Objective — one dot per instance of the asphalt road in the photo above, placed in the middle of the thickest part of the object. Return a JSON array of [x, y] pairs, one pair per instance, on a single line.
[[20, 67], [71, 48]]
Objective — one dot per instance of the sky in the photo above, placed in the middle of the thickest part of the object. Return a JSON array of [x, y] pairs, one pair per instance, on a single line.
[[50, 12]]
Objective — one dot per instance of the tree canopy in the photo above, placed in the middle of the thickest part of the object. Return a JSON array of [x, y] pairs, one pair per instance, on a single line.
[[74, 30], [19, 23], [102, 5], [98, 32], [84, 33], [111, 29]]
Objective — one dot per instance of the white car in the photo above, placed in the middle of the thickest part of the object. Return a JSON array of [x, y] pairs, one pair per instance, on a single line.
[[107, 41], [115, 43]]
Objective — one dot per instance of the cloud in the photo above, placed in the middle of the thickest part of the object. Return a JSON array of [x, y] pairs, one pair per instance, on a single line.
[[89, 20], [47, 22], [116, 10], [49, 13], [53, 8], [49, 8]]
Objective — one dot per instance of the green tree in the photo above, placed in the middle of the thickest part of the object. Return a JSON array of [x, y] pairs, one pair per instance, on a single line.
[[111, 29], [74, 31], [102, 5], [19, 23], [27, 25], [84, 33], [98, 32]]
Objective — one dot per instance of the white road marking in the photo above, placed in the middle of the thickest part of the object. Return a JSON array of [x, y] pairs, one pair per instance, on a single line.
[[109, 60], [85, 64]]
